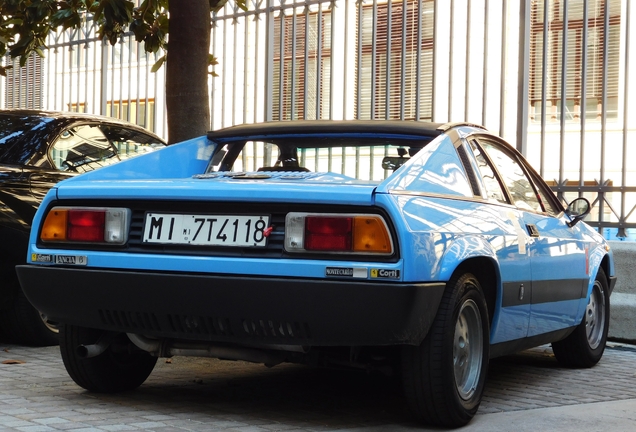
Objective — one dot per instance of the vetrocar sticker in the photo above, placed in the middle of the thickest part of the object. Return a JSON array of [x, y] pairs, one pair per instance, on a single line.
[[346, 272]]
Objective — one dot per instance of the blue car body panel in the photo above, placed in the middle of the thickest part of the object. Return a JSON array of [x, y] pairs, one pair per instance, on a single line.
[[435, 169], [436, 219], [193, 156]]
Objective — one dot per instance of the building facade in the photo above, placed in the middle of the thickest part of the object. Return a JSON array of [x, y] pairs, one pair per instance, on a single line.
[[550, 76]]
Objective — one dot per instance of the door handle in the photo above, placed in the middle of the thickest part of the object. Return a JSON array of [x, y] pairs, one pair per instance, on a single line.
[[532, 230]]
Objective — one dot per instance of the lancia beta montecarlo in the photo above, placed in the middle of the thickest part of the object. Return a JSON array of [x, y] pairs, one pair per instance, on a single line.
[[423, 248]]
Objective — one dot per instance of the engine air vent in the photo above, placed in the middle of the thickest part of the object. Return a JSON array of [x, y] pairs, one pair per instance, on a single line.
[[198, 325], [128, 320], [276, 329]]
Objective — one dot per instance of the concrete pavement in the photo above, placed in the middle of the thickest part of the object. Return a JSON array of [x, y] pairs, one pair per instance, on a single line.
[[525, 392]]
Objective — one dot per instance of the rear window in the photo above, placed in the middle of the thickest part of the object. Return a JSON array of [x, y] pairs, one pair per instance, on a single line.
[[435, 166], [359, 158]]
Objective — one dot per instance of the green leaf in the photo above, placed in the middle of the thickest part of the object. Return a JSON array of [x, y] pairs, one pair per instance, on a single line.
[[242, 4], [158, 64]]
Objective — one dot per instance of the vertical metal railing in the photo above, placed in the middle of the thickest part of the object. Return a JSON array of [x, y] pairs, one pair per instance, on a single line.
[[579, 48], [439, 60]]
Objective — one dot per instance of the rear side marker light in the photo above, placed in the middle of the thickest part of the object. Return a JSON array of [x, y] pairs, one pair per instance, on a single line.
[[337, 233], [86, 225]]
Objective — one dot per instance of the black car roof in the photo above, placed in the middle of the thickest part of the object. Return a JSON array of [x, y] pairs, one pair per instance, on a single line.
[[69, 115], [19, 148], [277, 128]]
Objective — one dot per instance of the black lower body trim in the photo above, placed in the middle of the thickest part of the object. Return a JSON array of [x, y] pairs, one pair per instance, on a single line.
[[511, 347], [230, 308]]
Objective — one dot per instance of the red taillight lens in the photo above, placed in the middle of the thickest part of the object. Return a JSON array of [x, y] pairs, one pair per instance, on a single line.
[[337, 233], [86, 226], [328, 233]]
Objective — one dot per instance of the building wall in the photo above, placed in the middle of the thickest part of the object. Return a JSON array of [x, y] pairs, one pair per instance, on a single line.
[[491, 62]]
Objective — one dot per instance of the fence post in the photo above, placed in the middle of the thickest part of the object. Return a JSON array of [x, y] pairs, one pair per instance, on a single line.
[[523, 77], [103, 93]]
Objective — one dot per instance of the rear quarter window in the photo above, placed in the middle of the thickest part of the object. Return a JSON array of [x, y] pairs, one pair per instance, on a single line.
[[436, 169]]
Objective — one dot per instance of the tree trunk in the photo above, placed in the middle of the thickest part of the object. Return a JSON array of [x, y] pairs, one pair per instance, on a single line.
[[187, 69]]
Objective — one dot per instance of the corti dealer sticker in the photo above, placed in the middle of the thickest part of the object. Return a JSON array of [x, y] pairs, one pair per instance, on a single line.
[[385, 274], [41, 258]]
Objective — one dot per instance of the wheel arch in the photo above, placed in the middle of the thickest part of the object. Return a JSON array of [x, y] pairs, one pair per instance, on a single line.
[[474, 254], [486, 271], [606, 265], [599, 258]]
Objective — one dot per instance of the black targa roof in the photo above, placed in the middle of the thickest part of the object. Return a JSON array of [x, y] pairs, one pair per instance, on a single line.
[[284, 130]]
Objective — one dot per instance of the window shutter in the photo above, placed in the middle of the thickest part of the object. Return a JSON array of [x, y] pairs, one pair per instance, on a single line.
[[388, 83], [24, 84], [302, 50], [590, 61]]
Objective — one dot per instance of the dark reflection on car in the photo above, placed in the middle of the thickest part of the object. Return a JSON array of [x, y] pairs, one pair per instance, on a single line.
[[37, 150]]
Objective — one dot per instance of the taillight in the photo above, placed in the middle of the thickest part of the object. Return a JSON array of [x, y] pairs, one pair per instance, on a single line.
[[337, 233], [328, 233], [86, 225]]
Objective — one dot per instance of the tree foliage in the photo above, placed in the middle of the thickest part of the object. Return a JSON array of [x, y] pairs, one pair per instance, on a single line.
[[25, 24]]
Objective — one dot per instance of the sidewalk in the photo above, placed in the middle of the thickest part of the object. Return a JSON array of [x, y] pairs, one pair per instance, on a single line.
[[615, 416], [525, 392]]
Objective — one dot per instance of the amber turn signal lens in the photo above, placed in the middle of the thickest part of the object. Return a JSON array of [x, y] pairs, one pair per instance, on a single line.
[[337, 233], [54, 228], [370, 235], [108, 225]]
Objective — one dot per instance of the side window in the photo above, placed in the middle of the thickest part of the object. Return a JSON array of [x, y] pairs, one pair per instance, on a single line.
[[512, 174], [81, 148], [551, 206], [130, 142], [494, 192]]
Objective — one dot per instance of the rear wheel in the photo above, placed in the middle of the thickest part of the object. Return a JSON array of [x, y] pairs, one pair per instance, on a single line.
[[444, 377], [109, 372], [584, 347]]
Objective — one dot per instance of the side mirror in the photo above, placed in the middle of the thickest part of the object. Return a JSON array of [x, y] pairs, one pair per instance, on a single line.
[[577, 210]]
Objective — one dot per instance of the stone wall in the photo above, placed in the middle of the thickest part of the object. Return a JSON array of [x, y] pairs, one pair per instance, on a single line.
[[623, 300]]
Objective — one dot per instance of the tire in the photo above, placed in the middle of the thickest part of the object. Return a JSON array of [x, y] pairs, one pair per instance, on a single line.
[[584, 347], [24, 324], [110, 371], [444, 376]]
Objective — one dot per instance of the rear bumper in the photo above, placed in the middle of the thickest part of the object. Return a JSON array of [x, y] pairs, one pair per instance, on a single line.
[[234, 309]]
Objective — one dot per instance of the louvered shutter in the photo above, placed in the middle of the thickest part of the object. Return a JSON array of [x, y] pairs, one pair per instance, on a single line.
[[591, 61], [24, 84], [399, 64], [302, 51]]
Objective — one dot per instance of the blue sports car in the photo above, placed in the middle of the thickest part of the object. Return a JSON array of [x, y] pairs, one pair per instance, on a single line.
[[420, 248]]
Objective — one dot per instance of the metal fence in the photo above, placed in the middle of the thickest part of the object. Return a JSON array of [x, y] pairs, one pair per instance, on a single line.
[[551, 76]]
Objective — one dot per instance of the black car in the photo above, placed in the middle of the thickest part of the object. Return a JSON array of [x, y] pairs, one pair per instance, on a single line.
[[37, 150]]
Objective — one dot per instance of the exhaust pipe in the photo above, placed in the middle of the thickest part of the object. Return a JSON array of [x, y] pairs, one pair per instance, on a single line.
[[268, 355], [192, 349], [93, 350]]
